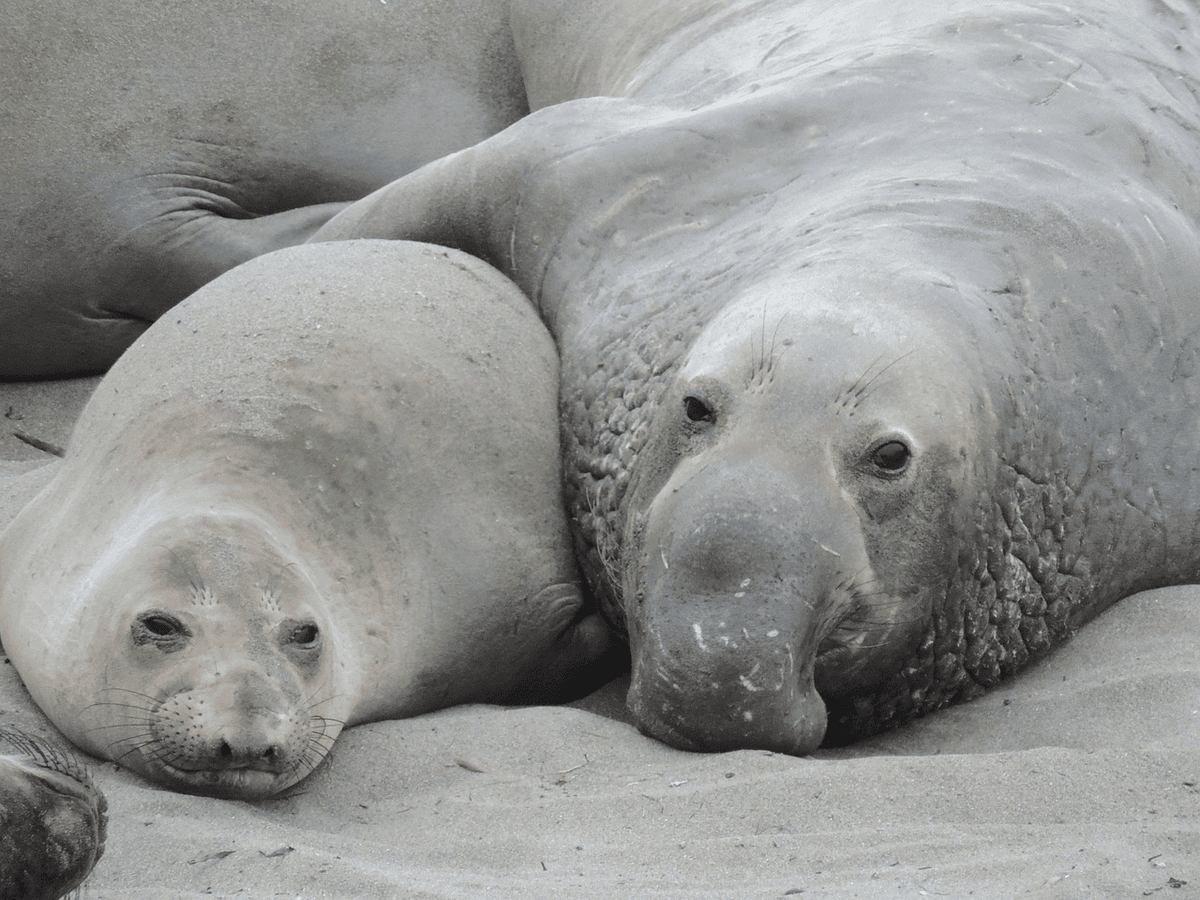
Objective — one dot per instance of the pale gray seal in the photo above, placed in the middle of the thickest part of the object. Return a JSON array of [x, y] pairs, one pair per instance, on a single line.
[[325, 490]]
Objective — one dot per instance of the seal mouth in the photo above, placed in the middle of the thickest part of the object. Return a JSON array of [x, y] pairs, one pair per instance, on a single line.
[[241, 783]]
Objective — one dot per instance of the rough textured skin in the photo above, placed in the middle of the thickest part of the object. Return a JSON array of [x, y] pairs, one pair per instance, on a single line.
[[148, 146], [53, 819], [972, 226], [325, 490]]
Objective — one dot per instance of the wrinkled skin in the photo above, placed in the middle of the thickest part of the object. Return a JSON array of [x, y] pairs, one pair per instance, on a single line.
[[149, 146], [53, 819], [325, 490], [877, 326]]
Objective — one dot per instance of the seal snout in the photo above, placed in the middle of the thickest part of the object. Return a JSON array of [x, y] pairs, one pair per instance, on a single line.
[[264, 755], [240, 735], [731, 701], [742, 579]]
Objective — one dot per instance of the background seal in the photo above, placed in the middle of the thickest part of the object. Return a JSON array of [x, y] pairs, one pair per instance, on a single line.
[[150, 146]]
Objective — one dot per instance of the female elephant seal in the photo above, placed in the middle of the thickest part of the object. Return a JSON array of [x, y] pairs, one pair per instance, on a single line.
[[53, 819], [878, 328], [325, 490]]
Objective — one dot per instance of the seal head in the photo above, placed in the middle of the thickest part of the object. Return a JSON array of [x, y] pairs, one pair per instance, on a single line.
[[792, 527], [216, 675]]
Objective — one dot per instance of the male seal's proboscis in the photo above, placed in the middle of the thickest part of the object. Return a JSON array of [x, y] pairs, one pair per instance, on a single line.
[[53, 819], [878, 326], [324, 490]]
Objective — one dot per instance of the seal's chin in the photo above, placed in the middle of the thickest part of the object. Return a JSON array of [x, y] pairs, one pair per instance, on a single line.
[[700, 728]]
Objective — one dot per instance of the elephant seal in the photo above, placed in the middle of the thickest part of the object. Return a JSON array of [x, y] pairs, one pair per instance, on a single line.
[[878, 330], [53, 819], [148, 146], [325, 490]]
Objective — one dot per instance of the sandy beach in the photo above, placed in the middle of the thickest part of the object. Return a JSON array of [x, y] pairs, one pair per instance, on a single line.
[[1080, 778]]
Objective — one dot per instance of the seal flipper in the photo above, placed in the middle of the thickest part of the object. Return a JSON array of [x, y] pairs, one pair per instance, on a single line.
[[180, 248], [158, 262], [585, 655], [55, 819], [472, 200]]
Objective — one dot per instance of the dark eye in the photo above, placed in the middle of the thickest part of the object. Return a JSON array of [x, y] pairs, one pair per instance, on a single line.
[[160, 625], [161, 629], [697, 410], [891, 456]]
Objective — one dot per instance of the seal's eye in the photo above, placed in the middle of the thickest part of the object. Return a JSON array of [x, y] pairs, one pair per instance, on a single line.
[[159, 625], [162, 626], [891, 457], [697, 410], [161, 629], [301, 640]]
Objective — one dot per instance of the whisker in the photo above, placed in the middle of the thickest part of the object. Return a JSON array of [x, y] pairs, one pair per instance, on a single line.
[[137, 748], [132, 723], [312, 703], [604, 540], [774, 334], [133, 706], [862, 386]]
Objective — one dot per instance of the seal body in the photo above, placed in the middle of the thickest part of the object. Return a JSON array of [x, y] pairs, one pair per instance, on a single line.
[[324, 491], [878, 333], [54, 819], [148, 147]]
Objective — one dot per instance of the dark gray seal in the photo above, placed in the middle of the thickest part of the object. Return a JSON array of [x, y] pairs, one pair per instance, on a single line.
[[878, 328], [53, 819], [146, 146]]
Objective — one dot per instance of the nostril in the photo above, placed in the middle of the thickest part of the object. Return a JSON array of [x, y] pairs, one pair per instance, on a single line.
[[266, 757]]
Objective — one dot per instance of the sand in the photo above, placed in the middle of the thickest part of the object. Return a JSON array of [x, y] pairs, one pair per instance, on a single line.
[[1081, 778]]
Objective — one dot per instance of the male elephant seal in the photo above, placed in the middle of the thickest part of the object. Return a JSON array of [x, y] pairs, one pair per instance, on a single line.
[[878, 326], [146, 146], [325, 490], [53, 819]]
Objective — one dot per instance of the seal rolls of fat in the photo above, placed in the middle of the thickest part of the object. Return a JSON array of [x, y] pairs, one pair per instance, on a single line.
[[324, 490]]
